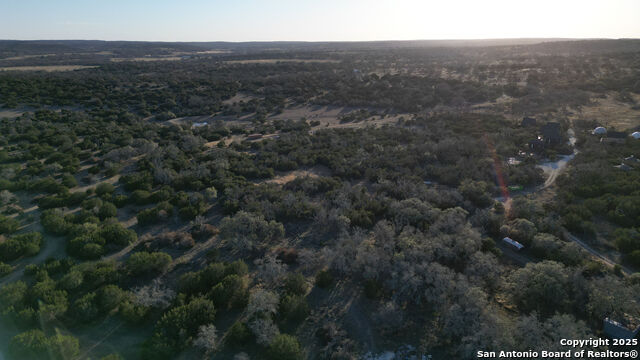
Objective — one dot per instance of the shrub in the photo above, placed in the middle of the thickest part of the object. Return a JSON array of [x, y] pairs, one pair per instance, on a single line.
[[31, 344], [324, 279], [294, 307], [372, 289], [71, 280], [53, 222], [120, 200], [104, 188], [20, 245], [145, 263], [141, 197], [84, 308], [634, 257], [69, 181], [237, 267], [148, 216], [239, 334], [133, 313], [232, 292], [295, 284], [110, 297], [118, 235], [182, 322], [63, 346], [248, 231], [5, 269], [34, 344], [86, 246], [8, 225], [285, 347], [107, 210], [92, 203]]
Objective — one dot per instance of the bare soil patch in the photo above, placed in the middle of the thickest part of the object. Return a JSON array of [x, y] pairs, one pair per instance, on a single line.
[[10, 113], [239, 97], [285, 177]]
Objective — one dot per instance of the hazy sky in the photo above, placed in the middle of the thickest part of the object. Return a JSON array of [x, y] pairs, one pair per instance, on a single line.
[[246, 20]]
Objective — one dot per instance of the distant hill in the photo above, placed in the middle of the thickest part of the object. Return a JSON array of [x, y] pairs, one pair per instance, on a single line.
[[19, 48]]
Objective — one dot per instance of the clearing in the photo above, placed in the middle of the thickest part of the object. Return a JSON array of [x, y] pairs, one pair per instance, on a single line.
[[612, 113]]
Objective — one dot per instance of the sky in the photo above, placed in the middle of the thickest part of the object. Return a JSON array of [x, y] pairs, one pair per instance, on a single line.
[[317, 20]]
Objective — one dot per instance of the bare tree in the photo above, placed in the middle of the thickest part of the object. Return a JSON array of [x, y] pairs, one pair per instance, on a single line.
[[265, 330], [241, 356], [207, 338], [154, 295], [262, 302], [270, 270]]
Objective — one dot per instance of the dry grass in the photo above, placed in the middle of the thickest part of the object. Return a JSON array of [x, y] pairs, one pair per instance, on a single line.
[[10, 113], [314, 172], [238, 98], [24, 57], [329, 116], [47, 68], [612, 113]]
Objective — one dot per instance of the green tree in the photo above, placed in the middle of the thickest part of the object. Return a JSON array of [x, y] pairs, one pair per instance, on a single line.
[[144, 263], [8, 225], [107, 210], [285, 347], [104, 188]]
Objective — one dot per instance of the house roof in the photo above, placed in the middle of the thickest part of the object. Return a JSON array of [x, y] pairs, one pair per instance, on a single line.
[[509, 240], [599, 131], [551, 130]]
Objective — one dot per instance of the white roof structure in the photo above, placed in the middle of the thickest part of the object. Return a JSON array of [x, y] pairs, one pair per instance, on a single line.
[[199, 124], [636, 135], [512, 242], [599, 131]]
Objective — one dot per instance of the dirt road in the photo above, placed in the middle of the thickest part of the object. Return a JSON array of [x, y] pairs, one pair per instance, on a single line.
[[601, 257], [552, 170]]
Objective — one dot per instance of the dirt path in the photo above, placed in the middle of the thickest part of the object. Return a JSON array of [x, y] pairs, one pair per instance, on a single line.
[[554, 168], [601, 257]]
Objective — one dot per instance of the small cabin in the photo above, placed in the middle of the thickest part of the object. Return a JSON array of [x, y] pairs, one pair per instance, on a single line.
[[551, 133], [513, 243]]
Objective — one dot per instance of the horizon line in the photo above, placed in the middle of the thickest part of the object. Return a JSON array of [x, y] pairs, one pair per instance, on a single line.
[[335, 41]]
